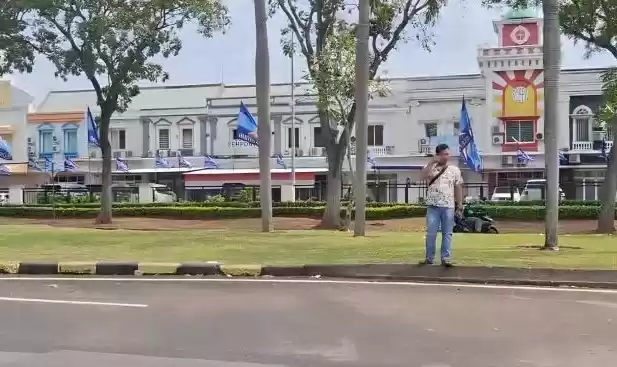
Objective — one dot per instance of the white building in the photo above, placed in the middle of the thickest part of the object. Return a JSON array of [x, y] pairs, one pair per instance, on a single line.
[[505, 100]]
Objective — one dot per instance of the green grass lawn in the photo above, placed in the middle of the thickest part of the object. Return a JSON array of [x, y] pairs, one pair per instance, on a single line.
[[31, 242]]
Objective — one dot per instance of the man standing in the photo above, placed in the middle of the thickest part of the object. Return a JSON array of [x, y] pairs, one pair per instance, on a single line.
[[444, 196]]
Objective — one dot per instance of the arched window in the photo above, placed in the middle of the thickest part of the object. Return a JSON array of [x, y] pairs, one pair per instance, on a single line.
[[69, 132], [46, 140], [582, 121]]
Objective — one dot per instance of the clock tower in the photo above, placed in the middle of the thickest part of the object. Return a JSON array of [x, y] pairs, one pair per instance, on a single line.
[[514, 83]]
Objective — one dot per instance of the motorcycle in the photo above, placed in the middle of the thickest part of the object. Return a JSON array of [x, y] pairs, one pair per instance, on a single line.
[[474, 220]]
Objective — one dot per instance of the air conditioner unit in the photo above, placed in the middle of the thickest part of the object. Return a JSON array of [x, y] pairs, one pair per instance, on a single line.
[[496, 129], [150, 154], [172, 153], [163, 153], [128, 153], [93, 154], [423, 141], [508, 160], [117, 154], [498, 139], [574, 158], [299, 153], [56, 148], [318, 151], [390, 149], [30, 142]]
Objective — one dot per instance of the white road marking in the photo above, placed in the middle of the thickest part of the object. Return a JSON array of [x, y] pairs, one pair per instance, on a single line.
[[322, 281], [68, 302]]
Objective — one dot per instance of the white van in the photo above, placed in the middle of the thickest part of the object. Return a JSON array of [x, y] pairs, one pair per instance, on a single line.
[[534, 188], [504, 193]]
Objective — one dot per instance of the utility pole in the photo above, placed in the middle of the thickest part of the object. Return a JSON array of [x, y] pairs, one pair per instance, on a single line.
[[552, 68], [293, 120], [262, 76], [361, 96]]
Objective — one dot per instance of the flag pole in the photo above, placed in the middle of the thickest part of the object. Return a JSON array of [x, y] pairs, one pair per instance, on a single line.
[[293, 122]]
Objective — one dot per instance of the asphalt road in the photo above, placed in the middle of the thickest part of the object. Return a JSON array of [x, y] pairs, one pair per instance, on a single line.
[[260, 324]]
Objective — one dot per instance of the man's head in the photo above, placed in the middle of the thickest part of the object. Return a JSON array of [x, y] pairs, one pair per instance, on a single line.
[[442, 153]]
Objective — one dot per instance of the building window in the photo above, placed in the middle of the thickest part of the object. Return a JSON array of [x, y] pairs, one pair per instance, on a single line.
[[582, 123], [456, 129], [522, 131], [297, 137], [375, 135], [187, 138], [319, 140], [430, 129], [164, 139], [46, 142], [118, 139], [70, 141]]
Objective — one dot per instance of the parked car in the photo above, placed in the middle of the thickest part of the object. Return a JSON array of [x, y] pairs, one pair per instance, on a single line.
[[534, 190], [506, 193]]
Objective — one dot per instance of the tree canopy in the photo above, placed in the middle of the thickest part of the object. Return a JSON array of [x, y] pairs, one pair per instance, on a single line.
[[324, 33], [110, 42]]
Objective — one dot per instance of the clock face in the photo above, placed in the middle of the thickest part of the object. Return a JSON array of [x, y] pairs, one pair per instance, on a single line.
[[520, 35]]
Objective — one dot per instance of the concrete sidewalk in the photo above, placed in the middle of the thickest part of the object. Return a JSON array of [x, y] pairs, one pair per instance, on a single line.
[[385, 272]]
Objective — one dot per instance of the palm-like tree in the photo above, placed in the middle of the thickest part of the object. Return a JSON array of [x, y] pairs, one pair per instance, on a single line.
[[262, 78]]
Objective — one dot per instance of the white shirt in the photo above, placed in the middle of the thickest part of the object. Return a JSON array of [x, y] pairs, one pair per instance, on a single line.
[[441, 192]]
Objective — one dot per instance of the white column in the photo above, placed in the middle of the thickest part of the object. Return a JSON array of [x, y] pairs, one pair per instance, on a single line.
[[16, 195]]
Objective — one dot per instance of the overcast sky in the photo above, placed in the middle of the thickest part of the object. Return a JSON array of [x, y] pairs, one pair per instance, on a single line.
[[463, 26]]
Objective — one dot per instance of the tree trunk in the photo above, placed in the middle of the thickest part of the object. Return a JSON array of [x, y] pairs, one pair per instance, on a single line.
[[608, 191], [104, 216], [332, 215], [552, 66], [262, 74]]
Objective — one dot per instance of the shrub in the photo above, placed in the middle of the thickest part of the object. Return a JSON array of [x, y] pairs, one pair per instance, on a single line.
[[212, 212]]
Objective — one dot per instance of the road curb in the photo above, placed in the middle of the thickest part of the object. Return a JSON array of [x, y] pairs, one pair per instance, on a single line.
[[383, 272]]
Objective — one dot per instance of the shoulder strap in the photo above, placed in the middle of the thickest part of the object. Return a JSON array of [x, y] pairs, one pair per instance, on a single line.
[[432, 181]]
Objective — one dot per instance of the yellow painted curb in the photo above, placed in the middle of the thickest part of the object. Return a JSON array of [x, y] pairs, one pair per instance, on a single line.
[[241, 270], [85, 268], [158, 268], [9, 267]]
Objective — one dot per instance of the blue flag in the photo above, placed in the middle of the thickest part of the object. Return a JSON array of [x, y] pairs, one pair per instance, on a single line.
[[370, 160], [49, 165], [183, 163], [466, 144], [70, 166], [280, 161], [93, 130], [522, 156], [122, 165], [161, 162], [604, 151], [209, 162], [32, 163], [5, 150], [5, 170], [247, 126]]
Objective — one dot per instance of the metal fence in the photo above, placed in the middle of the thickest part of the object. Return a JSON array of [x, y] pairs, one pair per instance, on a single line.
[[76, 196], [389, 192]]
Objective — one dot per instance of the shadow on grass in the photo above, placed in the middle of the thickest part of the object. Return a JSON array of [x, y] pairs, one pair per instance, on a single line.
[[539, 247]]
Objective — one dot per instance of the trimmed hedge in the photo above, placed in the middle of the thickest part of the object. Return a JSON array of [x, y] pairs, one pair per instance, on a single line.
[[290, 204], [196, 212]]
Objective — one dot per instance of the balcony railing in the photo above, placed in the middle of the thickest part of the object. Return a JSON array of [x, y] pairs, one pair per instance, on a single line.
[[590, 145]]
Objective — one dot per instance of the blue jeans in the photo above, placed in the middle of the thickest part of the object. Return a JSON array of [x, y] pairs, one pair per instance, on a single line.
[[439, 218]]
